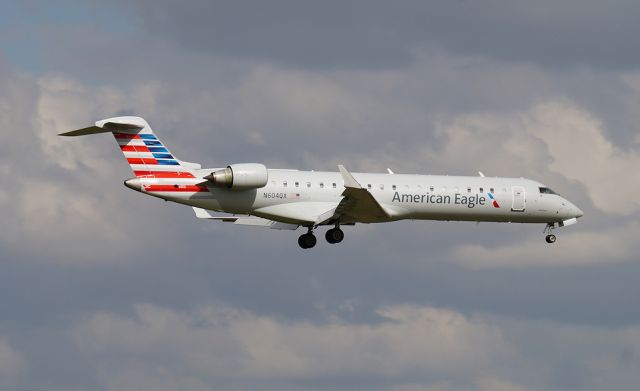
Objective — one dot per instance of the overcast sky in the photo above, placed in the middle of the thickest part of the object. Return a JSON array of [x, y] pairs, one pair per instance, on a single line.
[[102, 288]]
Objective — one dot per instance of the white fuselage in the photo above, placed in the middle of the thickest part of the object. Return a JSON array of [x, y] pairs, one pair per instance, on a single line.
[[420, 197]]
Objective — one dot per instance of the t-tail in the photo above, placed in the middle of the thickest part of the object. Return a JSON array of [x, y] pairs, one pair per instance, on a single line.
[[146, 154]]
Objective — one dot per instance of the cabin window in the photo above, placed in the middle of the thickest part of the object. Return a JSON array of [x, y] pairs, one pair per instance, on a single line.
[[381, 187], [369, 186], [308, 184], [321, 185], [481, 190], [431, 188], [468, 190], [393, 187], [284, 184], [297, 184], [334, 185], [491, 190]]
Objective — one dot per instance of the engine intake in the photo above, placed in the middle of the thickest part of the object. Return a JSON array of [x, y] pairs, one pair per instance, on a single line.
[[244, 176]]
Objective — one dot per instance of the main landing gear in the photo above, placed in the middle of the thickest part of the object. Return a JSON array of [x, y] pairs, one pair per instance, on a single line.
[[334, 235], [308, 240], [550, 238]]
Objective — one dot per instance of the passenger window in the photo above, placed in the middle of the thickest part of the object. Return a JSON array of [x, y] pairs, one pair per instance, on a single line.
[[369, 186], [468, 190], [284, 184], [297, 184], [321, 185], [308, 184], [393, 187], [381, 187], [431, 188], [491, 190], [334, 185], [481, 190]]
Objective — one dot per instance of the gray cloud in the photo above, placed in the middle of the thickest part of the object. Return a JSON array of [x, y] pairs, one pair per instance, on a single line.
[[446, 93], [374, 34]]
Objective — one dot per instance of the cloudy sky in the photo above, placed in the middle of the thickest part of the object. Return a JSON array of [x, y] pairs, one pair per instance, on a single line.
[[102, 288]]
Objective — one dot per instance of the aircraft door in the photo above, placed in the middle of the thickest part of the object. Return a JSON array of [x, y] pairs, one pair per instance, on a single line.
[[518, 199]]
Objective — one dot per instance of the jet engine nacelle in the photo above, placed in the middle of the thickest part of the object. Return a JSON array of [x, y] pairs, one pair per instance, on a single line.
[[244, 176]]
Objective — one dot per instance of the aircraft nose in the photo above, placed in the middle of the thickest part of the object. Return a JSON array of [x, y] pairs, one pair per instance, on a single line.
[[574, 210]]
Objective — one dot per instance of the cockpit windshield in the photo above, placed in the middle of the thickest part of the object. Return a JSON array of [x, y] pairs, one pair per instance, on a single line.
[[546, 190]]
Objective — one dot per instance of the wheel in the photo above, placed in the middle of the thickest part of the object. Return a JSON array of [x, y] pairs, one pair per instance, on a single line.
[[551, 238], [307, 240], [334, 235], [301, 241]]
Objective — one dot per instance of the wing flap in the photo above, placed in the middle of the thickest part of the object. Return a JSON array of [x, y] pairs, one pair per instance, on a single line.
[[245, 220], [301, 213]]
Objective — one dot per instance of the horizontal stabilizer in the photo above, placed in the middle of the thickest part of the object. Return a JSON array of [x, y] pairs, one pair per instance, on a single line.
[[84, 131], [116, 124]]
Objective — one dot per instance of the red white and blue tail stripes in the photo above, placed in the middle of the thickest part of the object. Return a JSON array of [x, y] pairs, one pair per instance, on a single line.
[[149, 158]]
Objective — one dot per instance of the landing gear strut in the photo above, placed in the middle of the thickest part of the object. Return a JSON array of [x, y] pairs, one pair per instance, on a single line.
[[550, 238], [307, 240], [334, 235]]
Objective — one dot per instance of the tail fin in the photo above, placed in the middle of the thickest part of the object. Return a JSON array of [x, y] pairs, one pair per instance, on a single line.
[[146, 154]]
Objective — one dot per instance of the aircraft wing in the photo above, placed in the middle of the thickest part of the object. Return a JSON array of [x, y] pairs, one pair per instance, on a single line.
[[245, 220], [301, 213], [358, 203]]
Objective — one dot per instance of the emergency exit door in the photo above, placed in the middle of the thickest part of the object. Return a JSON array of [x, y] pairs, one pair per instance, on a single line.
[[518, 199]]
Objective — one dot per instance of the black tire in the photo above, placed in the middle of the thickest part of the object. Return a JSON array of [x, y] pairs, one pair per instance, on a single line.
[[307, 241], [334, 235], [301, 242], [551, 238]]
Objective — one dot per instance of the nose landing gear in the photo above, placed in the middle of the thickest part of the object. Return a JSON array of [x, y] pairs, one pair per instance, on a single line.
[[550, 238]]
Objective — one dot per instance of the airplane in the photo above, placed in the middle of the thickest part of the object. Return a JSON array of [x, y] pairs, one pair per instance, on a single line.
[[252, 195]]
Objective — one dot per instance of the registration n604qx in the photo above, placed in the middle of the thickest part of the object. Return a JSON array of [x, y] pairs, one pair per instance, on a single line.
[[251, 194]]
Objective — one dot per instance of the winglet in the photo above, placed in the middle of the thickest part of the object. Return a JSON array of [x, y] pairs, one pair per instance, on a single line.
[[201, 213], [349, 180]]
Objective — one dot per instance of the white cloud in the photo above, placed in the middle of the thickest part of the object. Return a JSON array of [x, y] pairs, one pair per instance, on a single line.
[[572, 248], [581, 152], [411, 348], [211, 342], [556, 137]]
